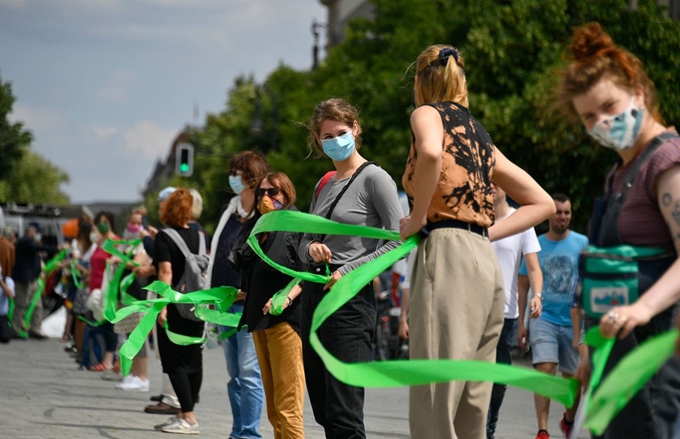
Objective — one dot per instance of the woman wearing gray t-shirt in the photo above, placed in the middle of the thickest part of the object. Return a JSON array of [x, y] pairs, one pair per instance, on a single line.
[[360, 193]]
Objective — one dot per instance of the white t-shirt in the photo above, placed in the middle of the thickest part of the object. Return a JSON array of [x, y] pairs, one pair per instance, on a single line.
[[509, 252]]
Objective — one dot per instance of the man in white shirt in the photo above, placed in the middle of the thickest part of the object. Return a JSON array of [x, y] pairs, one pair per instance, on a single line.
[[510, 252]]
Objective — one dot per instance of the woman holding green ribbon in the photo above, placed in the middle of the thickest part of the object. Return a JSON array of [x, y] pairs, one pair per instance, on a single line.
[[183, 364], [359, 193], [276, 332], [607, 90], [457, 298], [104, 222]]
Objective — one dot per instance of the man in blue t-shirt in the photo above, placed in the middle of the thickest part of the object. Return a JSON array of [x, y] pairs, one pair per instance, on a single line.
[[551, 335]]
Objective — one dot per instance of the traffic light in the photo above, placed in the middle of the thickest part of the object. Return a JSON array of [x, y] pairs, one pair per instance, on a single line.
[[184, 160]]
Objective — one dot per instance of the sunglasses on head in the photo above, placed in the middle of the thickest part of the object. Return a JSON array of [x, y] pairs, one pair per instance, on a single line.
[[272, 191]]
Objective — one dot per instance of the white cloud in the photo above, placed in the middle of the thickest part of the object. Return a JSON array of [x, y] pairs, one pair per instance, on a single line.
[[149, 140], [36, 119], [117, 88], [101, 133]]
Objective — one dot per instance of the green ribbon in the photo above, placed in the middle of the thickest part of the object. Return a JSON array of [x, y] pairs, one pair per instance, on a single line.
[[116, 283], [221, 298], [626, 378], [602, 404], [50, 266], [76, 275], [279, 299], [391, 373]]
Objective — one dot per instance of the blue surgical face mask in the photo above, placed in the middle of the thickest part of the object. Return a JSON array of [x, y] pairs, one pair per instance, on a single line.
[[236, 184], [619, 132], [339, 148]]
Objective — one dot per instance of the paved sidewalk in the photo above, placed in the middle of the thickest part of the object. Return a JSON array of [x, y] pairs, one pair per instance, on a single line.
[[43, 395]]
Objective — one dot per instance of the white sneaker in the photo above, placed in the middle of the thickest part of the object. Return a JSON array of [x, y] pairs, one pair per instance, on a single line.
[[134, 384], [180, 426], [126, 381], [168, 422]]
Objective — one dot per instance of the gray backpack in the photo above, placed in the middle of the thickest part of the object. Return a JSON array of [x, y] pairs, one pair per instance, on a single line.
[[195, 277]]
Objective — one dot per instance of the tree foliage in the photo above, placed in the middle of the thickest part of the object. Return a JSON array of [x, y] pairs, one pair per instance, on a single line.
[[14, 140], [25, 176], [34, 179], [513, 50]]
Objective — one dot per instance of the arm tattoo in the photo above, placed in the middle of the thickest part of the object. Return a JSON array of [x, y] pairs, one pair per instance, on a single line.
[[666, 199]]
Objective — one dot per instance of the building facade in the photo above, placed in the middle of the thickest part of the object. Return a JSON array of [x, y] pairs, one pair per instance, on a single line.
[[339, 14], [164, 169]]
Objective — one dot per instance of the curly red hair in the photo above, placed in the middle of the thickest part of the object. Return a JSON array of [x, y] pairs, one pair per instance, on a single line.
[[176, 210], [595, 56]]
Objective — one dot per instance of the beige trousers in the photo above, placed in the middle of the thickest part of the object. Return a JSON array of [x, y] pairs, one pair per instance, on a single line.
[[279, 352], [456, 312]]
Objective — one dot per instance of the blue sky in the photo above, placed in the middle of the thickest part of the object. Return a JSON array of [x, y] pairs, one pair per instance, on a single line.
[[105, 85]]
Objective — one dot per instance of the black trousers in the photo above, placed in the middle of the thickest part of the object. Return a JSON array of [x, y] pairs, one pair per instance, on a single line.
[[5, 332], [186, 387], [348, 335], [503, 356]]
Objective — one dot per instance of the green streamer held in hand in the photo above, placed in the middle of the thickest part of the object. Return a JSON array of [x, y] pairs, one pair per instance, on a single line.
[[626, 378], [50, 267], [391, 373], [221, 298], [615, 391]]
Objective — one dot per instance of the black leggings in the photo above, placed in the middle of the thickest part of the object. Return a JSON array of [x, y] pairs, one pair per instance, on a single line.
[[186, 386]]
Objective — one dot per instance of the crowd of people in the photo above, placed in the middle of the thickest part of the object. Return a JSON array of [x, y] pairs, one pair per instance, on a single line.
[[481, 283]]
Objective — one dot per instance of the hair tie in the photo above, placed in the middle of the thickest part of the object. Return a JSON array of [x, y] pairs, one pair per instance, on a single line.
[[445, 53]]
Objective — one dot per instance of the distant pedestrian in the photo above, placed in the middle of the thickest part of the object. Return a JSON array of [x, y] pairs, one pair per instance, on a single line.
[[26, 271], [551, 335], [7, 250]]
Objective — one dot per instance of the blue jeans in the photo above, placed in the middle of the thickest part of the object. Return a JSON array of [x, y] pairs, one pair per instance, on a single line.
[[503, 356], [246, 393]]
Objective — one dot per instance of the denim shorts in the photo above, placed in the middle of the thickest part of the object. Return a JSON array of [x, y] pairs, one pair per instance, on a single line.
[[552, 343]]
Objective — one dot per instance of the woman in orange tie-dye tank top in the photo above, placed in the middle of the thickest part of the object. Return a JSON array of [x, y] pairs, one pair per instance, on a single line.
[[457, 293]]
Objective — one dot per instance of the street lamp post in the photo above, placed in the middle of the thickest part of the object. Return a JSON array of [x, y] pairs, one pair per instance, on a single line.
[[315, 32]]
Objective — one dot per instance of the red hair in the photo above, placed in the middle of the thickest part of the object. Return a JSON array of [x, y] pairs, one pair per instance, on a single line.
[[595, 56], [176, 210]]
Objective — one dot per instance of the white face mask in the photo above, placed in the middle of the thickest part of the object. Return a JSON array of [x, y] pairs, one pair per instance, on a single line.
[[37, 237], [619, 132], [94, 237]]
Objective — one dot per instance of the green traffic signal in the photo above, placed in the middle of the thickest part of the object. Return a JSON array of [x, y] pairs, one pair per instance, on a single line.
[[184, 160]]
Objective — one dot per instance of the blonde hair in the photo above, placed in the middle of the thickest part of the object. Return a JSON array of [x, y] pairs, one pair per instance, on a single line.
[[440, 73], [197, 204], [338, 110]]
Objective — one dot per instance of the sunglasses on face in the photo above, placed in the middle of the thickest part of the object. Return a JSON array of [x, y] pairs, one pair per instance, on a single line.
[[272, 191]]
